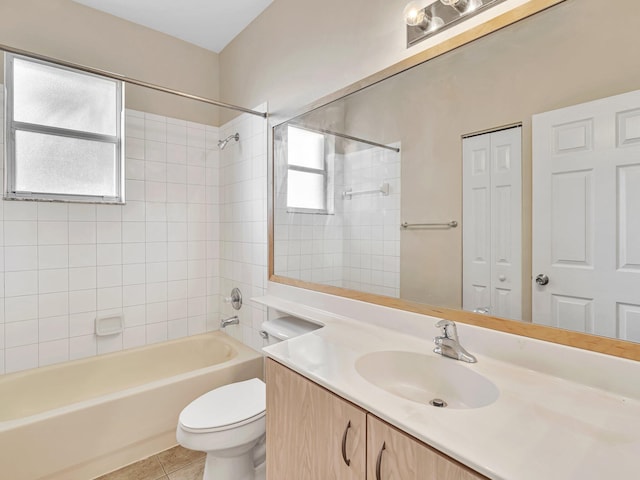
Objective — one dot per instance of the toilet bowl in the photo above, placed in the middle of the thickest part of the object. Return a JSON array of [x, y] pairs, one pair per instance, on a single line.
[[227, 423]]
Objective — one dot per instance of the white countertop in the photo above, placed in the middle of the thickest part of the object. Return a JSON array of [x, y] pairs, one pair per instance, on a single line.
[[541, 427]]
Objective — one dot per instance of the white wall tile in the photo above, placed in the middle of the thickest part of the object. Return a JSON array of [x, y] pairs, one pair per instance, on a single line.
[[20, 232], [20, 308], [51, 211], [20, 258], [82, 301], [79, 212], [109, 276], [53, 352], [157, 333], [134, 337], [177, 328], [17, 210], [19, 284], [82, 278], [133, 253], [53, 328], [53, 256], [82, 255], [109, 232], [82, 347], [133, 295], [53, 304], [21, 358], [133, 232], [133, 274], [56, 280], [110, 344], [134, 316], [109, 254], [66, 264], [22, 333], [109, 298], [134, 190], [156, 312], [53, 233], [134, 169], [82, 233], [133, 211]]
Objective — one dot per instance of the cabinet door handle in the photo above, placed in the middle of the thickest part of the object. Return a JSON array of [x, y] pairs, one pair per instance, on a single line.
[[379, 462], [344, 444]]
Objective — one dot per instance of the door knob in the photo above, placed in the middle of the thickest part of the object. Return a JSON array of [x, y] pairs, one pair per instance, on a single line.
[[542, 279], [483, 310]]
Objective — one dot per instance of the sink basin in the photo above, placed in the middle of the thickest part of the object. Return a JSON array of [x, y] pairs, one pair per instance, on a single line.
[[423, 378]]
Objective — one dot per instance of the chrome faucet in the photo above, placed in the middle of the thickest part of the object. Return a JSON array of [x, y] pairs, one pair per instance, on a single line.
[[448, 345], [224, 322]]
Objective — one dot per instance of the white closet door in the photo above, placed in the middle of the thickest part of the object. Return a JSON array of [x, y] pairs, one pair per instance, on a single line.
[[586, 220], [492, 228], [476, 224]]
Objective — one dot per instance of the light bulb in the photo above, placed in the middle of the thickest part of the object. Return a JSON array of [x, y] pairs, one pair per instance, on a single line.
[[413, 14], [463, 6]]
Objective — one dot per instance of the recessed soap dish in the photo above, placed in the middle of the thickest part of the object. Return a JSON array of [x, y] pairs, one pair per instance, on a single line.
[[106, 326]]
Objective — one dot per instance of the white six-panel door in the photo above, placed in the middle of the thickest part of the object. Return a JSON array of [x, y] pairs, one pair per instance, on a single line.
[[586, 217], [491, 221]]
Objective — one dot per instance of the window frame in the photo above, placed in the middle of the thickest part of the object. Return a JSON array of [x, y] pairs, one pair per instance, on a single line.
[[11, 127], [326, 172]]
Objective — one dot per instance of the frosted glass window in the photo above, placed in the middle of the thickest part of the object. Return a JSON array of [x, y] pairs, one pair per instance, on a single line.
[[63, 165], [64, 133], [307, 179], [305, 190], [306, 149], [61, 98]]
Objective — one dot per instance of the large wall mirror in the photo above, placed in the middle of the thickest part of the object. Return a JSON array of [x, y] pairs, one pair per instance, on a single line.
[[499, 179]]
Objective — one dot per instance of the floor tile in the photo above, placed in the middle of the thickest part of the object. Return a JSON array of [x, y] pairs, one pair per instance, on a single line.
[[147, 469], [178, 457], [192, 472]]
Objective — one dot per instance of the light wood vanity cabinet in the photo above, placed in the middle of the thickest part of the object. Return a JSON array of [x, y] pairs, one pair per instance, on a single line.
[[312, 434], [404, 458]]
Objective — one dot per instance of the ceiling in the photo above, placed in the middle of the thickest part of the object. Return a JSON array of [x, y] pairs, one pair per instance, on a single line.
[[210, 24]]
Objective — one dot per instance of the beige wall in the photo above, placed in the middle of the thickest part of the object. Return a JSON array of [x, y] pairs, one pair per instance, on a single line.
[[298, 51], [546, 62], [70, 31]]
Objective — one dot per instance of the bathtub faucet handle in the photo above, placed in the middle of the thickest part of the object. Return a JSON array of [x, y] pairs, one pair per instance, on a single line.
[[229, 321]]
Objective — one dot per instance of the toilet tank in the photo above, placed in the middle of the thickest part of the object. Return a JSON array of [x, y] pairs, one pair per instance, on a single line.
[[284, 328]]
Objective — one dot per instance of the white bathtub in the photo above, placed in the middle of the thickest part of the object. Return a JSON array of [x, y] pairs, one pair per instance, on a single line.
[[81, 419]]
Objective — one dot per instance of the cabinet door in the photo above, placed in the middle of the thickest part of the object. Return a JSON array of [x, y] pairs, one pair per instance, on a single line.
[[311, 433], [404, 458]]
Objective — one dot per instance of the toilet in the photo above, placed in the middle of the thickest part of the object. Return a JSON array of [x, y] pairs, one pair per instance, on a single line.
[[228, 423]]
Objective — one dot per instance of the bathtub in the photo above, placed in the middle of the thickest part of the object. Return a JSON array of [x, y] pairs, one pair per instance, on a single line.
[[84, 418]]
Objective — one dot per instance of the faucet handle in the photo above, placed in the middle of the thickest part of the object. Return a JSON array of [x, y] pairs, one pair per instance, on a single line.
[[449, 329]]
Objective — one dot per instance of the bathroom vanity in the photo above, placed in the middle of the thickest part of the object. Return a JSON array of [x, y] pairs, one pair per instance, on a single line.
[[527, 410], [312, 433]]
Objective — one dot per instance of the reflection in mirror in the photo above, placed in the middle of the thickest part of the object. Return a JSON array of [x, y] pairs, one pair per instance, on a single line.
[[521, 146], [337, 210]]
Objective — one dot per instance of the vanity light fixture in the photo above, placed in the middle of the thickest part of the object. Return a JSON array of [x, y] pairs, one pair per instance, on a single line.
[[425, 21]]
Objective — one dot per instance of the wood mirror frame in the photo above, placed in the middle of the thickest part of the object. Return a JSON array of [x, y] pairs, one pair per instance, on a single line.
[[609, 346]]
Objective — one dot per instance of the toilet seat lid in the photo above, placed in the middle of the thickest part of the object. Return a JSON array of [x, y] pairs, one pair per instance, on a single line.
[[226, 406]]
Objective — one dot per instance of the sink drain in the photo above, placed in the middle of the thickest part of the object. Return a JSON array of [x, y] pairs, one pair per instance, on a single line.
[[438, 402]]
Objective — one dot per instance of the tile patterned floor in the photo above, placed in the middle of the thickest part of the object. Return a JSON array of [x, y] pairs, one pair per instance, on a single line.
[[177, 463]]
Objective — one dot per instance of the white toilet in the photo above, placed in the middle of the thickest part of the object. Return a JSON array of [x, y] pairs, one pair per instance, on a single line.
[[229, 422]]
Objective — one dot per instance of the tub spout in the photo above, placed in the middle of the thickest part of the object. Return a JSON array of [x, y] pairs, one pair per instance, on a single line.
[[229, 321]]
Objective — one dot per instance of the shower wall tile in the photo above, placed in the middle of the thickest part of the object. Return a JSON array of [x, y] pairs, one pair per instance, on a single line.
[[236, 196], [66, 264]]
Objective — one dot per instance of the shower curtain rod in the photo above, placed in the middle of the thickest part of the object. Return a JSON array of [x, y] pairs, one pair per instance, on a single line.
[[345, 136], [133, 81]]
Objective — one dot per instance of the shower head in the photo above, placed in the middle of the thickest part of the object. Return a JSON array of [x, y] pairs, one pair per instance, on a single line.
[[223, 143]]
